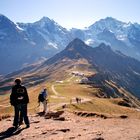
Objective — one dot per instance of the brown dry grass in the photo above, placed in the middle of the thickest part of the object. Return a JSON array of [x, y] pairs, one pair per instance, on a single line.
[[75, 89], [105, 106], [69, 89]]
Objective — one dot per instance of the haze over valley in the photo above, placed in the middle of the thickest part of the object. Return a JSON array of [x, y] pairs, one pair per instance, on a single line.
[[91, 73]]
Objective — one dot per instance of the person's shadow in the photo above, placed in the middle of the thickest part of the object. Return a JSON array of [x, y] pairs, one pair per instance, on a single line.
[[10, 132]]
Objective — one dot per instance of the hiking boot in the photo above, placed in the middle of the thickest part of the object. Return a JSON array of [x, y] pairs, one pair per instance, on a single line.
[[27, 126], [21, 123], [15, 126]]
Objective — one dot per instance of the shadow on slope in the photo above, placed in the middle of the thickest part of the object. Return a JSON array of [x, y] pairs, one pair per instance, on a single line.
[[10, 132]]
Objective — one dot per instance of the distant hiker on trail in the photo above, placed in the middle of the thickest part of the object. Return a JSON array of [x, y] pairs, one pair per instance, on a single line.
[[19, 99], [78, 100], [43, 98]]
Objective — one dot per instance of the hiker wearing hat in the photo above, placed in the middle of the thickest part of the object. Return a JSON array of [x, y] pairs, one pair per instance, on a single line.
[[19, 99]]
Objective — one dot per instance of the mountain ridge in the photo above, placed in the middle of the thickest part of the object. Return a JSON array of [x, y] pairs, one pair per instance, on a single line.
[[45, 38], [102, 61]]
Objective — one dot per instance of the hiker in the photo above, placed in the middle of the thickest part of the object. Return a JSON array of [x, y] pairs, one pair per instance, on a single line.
[[43, 99], [78, 100], [19, 99]]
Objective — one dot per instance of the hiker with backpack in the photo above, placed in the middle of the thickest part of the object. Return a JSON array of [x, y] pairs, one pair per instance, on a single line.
[[43, 99], [19, 99]]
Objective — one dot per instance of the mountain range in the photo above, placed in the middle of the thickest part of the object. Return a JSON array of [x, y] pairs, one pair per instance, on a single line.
[[22, 44], [113, 72]]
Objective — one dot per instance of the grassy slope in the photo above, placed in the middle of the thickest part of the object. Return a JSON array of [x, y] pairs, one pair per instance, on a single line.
[[105, 106], [70, 89], [99, 105]]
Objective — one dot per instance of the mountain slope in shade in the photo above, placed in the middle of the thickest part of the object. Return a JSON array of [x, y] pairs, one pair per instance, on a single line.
[[22, 44], [108, 65], [14, 50], [123, 70]]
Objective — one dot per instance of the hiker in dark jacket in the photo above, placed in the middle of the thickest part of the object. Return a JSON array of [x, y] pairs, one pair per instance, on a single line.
[[19, 99], [43, 98]]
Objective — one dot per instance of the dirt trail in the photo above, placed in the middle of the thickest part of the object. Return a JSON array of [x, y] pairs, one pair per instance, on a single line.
[[54, 91], [74, 127]]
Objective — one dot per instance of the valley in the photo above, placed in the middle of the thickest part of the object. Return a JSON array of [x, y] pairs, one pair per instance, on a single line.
[[65, 92], [104, 82], [69, 70], [93, 117]]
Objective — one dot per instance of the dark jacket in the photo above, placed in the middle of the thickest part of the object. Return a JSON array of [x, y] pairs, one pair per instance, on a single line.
[[19, 95]]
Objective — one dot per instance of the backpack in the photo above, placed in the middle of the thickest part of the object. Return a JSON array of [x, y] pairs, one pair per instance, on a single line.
[[40, 98], [20, 93]]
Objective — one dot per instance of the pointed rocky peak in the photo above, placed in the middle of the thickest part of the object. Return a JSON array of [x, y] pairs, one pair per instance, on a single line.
[[76, 49], [45, 19], [46, 22], [110, 20], [76, 44], [107, 23], [49, 25]]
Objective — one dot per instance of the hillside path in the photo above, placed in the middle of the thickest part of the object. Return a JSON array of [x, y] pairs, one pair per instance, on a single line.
[[73, 127], [54, 91]]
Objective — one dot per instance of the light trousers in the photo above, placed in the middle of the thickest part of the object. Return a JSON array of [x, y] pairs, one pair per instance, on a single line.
[[44, 106]]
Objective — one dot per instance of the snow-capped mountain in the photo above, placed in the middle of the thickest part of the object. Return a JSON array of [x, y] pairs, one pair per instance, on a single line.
[[14, 50], [120, 35], [46, 33], [22, 44], [25, 43]]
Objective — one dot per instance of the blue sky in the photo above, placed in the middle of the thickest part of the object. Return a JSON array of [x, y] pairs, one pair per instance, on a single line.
[[71, 13]]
